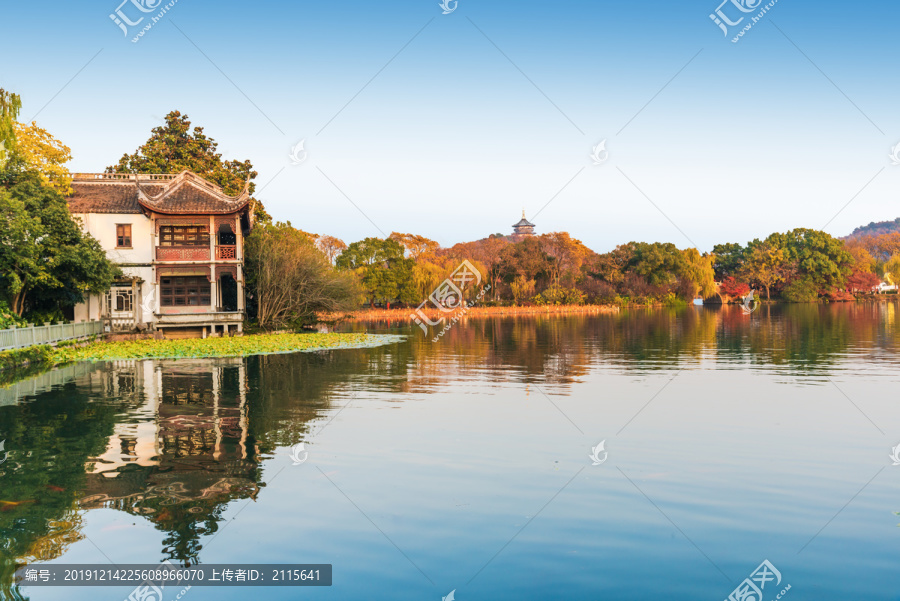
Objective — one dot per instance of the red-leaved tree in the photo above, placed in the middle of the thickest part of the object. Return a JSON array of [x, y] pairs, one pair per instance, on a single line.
[[862, 281], [732, 287]]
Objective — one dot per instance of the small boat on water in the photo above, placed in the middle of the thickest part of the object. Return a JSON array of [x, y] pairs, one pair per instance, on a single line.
[[698, 300]]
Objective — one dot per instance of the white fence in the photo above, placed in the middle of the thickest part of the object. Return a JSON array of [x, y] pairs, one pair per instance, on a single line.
[[22, 337]]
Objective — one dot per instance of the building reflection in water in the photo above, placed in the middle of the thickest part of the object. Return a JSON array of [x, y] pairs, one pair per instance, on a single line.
[[184, 454], [175, 441]]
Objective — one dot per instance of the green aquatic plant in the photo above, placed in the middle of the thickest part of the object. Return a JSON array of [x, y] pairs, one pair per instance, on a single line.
[[238, 346]]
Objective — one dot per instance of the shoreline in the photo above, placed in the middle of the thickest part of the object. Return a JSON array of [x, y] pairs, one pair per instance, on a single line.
[[190, 348], [404, 314]]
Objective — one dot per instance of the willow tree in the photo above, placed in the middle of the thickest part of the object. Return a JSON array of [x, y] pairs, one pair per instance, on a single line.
[[290, 281], [10, 105], [698, 275], [892, 270]]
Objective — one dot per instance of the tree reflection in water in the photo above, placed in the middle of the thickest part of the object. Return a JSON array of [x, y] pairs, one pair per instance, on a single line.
[[175, 442]]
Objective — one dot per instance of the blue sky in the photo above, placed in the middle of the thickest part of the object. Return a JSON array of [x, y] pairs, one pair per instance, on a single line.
[[493, 108]]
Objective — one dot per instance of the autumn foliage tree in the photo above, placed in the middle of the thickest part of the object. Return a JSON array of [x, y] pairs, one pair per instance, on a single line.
[[732, 287], [892, 270], [45, 155], [764, 264], [862, 281], [414, 244], [330, 246]]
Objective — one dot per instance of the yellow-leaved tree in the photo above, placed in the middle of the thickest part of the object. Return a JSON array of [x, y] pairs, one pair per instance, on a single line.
[[892, 270], [46, 155]]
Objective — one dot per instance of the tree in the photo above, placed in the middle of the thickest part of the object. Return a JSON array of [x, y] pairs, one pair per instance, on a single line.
[[521, 288], [764, 264], [46, 260], [383, 271], [862, 281], [659, 263], [862, 259], [46, 155], [174, 147], [566, 256], [331, 247], [697, 275], [20, 261], [881, 247], [819, 257], [487, 252], [892, 270], [10, 105], [729, 259], [415, 245], [290, 280], [732, 287], [525, 261], [610, 267], [427, 276]]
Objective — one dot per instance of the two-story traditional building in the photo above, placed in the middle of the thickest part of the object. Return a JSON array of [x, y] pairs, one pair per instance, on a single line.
[[179, 241]]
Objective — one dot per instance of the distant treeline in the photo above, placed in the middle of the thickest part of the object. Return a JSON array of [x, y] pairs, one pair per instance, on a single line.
[[876, 228], [801, 265], [48, 264]]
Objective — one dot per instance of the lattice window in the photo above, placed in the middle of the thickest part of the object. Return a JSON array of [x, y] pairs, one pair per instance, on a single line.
[[184, 235], [184, 291], [120, 300], [124, 301]]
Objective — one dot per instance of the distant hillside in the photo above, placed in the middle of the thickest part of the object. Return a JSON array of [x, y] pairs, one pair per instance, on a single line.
[[876, 229]]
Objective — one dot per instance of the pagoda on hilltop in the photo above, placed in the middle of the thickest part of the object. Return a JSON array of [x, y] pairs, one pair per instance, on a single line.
[[524, 227]]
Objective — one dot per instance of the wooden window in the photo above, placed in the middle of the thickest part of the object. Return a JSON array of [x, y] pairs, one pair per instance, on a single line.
[[183, 235], [184, 292], [123, 300], [123, 235]]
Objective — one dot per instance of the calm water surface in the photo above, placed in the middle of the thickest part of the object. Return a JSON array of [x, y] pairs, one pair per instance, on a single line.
[[465, 463]]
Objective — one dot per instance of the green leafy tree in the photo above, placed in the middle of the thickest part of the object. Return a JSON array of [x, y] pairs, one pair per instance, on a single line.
[[729, 259], [660, 263], [819, 257], [46, 261], [175, 147], [610, 267], [383, 271]]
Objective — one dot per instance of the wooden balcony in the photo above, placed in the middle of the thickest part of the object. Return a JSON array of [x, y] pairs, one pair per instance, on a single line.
[[226, 252], [182, 253]]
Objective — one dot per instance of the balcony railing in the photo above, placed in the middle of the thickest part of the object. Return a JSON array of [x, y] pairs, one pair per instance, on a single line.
[[224, 252], [143, 177], [182, 253]]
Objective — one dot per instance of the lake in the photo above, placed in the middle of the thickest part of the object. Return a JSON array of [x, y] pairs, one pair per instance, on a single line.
[[474, 464]]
